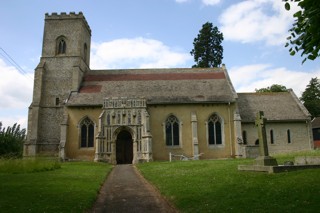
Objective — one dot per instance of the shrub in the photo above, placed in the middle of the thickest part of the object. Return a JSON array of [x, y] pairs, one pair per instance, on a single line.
[[11, 141]]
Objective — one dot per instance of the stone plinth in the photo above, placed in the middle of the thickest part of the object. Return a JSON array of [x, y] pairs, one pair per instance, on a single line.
[[266, 161], [275, 169]]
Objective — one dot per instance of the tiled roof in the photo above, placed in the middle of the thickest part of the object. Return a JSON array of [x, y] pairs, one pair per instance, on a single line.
[[316, 122], [278, 106], [158, 86]]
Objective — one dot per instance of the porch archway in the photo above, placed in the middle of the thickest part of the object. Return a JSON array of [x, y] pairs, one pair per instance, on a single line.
[[124, 147]]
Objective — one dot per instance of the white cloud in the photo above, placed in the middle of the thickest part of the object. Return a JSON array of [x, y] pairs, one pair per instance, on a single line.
[[211, 2], [257, 20], [256, 76], [11, 118], [16, 95], [136, 53], [15, 87]]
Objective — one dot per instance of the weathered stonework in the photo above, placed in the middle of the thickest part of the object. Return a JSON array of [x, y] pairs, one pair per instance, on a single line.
[[55, 77], [126, 110], [124, 114]]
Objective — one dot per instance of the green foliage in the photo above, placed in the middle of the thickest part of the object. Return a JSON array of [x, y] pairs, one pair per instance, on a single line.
[[305, 33], [273, 88], [208, 51], [73, 188], [11, 141], [311, 97], [218, 186]]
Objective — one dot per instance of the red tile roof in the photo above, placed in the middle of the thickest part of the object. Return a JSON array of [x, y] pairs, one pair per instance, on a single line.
[[155, 76]]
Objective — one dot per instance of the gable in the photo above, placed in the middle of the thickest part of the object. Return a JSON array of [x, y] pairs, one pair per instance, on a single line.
[[278, 106]]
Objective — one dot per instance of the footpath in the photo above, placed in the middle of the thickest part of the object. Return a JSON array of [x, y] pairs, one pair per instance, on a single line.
[[125, 190]]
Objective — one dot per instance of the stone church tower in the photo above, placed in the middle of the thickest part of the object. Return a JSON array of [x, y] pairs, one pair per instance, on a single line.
[[64, 61]]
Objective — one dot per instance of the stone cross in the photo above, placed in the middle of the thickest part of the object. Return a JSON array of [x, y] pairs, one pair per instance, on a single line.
[[261, 124], [264, 159]]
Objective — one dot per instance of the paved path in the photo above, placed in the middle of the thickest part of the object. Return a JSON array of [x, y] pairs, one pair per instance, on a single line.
[[125, 190]]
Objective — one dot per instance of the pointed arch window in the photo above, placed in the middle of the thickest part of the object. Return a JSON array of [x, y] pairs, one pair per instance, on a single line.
[[172, 131], [214, 130], [86, 133], [61, 46]]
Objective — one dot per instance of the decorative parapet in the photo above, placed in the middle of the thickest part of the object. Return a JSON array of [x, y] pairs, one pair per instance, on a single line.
[[65, 15], [71, 15], [123, 103]]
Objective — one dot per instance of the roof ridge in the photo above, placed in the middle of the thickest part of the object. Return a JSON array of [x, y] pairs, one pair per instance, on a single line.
[[301, 106]]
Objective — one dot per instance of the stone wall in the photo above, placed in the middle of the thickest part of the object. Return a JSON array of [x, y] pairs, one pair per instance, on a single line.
[[300, 136], [159, 113], [72, 146]]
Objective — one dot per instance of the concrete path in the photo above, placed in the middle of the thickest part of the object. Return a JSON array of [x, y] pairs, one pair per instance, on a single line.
[[125, 190]]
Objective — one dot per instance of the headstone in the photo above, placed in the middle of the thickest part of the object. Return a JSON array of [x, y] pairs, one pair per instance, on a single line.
[[264, 159]]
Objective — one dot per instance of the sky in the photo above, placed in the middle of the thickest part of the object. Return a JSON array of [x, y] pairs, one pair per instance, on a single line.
[[152, 34]]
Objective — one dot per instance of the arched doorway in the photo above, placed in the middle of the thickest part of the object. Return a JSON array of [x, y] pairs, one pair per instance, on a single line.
[[124, 148]]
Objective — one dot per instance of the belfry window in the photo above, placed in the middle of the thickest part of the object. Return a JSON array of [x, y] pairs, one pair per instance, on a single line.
[[172, 131], [87, 133], [62, 46], [214, 130]]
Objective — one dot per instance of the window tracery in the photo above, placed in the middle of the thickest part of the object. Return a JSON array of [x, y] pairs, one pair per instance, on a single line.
[[172, 131], [86, 133], [214, 130]]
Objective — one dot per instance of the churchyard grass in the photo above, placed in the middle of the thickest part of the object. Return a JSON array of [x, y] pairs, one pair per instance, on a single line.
[[218, 186], [16, 165], [71, 188]]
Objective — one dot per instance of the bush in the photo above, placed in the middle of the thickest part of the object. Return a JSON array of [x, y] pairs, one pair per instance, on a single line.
[[11, 141]]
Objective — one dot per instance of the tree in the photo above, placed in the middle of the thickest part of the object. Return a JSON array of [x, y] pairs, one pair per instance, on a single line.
[[11, 141], [311, 97], [273, 88], [207, 50], [305, 33]]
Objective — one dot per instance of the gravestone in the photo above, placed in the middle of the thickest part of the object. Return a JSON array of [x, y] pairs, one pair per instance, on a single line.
[[264, 159]]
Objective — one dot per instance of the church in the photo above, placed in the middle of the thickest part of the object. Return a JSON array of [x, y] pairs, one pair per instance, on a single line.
[[141, 115]]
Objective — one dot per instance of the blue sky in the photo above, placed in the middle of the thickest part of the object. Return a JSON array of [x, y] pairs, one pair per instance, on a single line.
[[153, 34]]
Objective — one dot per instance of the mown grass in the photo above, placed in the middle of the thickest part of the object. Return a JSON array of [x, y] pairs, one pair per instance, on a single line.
[[218, 186], [71, 188]]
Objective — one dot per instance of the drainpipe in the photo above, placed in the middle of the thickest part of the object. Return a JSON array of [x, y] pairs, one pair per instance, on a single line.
[[230, 134]]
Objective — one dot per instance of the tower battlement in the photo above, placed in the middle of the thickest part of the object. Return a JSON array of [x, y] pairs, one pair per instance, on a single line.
[[64, 15]]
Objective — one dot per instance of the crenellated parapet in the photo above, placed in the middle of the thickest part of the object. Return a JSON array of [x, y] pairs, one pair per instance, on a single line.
[[64, 15]]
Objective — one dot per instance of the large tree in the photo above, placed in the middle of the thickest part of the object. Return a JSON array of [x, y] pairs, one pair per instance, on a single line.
[[207, 50], [311, 97], [273, 88], [305, 33]]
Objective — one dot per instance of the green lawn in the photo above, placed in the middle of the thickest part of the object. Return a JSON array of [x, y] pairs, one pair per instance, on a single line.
[[72, 188], [217, 186], [192, 186]]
